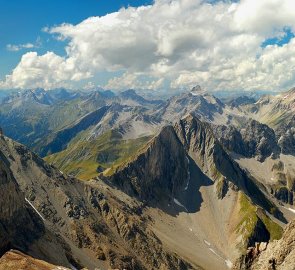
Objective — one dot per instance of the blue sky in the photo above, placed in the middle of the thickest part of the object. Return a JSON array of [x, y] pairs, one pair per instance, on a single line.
[[144, 44], [281, 40], [22, 21]]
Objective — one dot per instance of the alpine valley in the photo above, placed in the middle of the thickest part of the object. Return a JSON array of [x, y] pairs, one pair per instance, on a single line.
[[125, 180]]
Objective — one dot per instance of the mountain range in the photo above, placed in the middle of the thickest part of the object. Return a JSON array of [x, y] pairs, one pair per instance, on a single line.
[[118, 180]]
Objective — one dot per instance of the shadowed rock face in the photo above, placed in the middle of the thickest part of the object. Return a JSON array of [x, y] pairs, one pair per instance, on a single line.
[[19, 225], [283, 194], [161, 168], [156, 172]]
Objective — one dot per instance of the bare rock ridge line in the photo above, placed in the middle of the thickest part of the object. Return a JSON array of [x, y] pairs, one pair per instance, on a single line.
[[162, 167]]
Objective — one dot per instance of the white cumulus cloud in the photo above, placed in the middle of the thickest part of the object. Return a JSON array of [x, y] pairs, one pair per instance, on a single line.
[[134, 81], [184, 42], [48, 71]]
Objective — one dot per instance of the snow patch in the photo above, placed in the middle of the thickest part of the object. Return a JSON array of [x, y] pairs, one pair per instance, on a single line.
[[290, 209], [34, 209], [228, 263], [213, 251], [207, 243], [179, 204]]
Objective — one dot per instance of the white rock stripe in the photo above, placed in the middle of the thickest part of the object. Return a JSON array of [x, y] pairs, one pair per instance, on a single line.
[[34, 209], [207, 243], [213, 251], [229, 263]]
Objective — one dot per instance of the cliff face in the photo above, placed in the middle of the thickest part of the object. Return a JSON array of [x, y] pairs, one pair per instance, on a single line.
[[204, 148], [19, 225], [161, 168], [259, 141], [200, 143], [157, 171], [278, 255], [22, 226]]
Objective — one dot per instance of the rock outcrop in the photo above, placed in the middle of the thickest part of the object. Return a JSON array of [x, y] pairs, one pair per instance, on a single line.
[[277, 255], [284, 187], [255, 140], [15, 260], [19, 225], [286, 136]]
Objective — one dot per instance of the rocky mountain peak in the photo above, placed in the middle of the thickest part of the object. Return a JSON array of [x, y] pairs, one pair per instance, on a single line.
[[199, 141], [157, 170], [197, 90], [129, 92]]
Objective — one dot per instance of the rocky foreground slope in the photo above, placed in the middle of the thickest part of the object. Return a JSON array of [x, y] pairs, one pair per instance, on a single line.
[[19, 225], [66, 222]]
